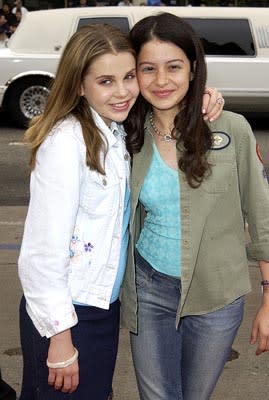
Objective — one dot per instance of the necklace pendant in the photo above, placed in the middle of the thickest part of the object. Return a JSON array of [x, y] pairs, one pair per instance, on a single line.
[[167, 138]]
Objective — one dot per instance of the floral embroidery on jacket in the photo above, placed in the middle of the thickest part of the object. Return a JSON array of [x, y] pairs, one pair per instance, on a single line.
[[77, 247], [88, 246]]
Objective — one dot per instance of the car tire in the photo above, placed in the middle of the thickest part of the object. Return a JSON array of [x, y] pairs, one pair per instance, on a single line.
[[27, 98]]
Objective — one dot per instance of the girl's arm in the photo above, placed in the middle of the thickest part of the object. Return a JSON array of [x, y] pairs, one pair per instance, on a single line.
[[260, 327]]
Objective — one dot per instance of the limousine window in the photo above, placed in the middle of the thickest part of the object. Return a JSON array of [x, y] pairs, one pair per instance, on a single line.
[[224, 37], [119, 22]]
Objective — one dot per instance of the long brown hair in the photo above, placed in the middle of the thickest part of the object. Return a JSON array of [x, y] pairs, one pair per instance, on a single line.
[[193, 136], [82, 49]]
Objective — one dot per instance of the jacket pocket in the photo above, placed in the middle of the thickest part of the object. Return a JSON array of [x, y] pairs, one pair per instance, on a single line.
[[100, 194], [220, 179]]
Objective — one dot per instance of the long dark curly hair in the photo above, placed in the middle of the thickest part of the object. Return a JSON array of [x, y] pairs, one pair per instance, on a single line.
[[193, 135]]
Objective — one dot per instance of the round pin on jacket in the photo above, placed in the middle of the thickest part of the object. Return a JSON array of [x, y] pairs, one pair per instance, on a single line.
[[220, 140]]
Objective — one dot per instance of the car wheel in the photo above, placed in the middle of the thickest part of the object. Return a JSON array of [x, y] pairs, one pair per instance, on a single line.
[[27, 99]]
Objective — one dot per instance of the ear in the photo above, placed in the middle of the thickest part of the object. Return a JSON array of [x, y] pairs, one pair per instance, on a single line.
[[82, 92], [191, 76]]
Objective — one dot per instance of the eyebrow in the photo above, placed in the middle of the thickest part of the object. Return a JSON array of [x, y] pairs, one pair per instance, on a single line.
[[104, 76], [112, 76], [167, 62]]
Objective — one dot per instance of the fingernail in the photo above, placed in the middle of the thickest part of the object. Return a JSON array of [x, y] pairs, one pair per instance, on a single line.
[[211, 120], [204, 111]]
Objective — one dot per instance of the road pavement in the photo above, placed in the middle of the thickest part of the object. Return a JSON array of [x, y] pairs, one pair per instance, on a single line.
[[244, 378]]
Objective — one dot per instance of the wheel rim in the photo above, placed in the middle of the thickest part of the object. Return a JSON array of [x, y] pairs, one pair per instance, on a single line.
[[33, 100]]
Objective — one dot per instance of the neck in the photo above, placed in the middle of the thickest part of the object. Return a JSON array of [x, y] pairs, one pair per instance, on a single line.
[[165, 135], [164, 120]]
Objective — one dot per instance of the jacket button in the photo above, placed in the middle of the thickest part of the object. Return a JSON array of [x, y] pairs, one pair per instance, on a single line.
[[104, 181]]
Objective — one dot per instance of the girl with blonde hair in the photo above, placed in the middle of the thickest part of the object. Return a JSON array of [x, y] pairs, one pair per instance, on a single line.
[[73, 252]]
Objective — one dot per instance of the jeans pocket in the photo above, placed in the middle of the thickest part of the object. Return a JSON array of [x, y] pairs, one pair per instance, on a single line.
[[142, 273]]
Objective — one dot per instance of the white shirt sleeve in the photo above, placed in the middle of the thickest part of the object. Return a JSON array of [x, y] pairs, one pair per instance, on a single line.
[[44, 258]]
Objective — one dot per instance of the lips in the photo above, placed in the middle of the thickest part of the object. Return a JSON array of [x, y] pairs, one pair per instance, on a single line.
[[162, 93], [121, 106]]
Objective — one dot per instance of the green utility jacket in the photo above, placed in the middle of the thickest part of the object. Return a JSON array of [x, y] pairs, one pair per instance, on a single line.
[[214, 263]]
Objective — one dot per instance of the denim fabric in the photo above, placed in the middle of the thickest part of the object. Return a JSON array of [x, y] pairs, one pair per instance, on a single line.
[[95, 337], [183, 363]]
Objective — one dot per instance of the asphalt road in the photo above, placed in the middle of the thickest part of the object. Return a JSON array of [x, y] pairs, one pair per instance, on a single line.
[[14, 174]]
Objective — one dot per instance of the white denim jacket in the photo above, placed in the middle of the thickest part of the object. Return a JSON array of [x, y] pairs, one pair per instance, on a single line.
[[72, 236]]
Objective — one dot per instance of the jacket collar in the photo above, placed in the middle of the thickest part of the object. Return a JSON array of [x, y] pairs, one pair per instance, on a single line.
[[113, 134]]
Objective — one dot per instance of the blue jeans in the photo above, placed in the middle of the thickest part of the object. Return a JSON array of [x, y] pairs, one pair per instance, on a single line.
[[96, 338], [183, 363]]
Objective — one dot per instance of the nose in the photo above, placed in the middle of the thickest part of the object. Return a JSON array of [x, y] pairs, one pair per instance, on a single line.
[[161, 77], [121, 90]]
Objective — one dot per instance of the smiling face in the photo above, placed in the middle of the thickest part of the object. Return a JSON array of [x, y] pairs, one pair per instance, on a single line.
[[164, 73], [111, 87]]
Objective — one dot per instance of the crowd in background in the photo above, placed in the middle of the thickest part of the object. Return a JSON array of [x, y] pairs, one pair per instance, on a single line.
[[11, 12], [10, 17], [16, 8], [201, 3]]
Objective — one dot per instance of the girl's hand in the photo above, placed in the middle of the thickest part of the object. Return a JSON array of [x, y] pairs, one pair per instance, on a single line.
[[61, 349], [213, 103], [260, 330]]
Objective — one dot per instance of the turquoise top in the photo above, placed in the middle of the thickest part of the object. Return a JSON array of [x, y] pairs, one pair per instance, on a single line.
[[124, 246], [159, 241]]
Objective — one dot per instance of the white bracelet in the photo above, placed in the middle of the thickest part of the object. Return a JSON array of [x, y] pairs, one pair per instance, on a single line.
[[63, 364]]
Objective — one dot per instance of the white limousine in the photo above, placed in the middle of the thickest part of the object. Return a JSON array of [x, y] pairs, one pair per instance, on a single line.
[[236, 43]]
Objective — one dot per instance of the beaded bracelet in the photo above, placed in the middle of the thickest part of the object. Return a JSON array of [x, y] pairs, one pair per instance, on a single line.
[[63, 364], [265, 283]]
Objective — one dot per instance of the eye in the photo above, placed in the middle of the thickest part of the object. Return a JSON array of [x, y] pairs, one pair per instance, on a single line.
[[105, 82], [147, 68], [130, 76], [174, 67]]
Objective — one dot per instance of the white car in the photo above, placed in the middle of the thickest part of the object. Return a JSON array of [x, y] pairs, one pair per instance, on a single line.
[[236, 42]]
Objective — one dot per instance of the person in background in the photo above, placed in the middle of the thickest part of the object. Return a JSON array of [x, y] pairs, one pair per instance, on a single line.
[[156, 3], [82, 3], [86, 3], [18, 6], [3, 37], [194, 186], [18, 15], [13, 26], [3, 24], [6, 11], [125, 3]]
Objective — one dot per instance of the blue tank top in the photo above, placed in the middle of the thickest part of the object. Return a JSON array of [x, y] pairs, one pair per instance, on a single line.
[[159, 241]]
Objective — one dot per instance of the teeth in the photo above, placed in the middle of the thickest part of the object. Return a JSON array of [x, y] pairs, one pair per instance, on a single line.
[[120, 105]]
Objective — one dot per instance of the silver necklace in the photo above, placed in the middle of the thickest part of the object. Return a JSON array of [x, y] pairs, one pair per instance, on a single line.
[[166, 137]]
